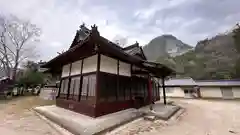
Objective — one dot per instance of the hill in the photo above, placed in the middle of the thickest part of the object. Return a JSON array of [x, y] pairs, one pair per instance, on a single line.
[[213, 58], [164, 46]]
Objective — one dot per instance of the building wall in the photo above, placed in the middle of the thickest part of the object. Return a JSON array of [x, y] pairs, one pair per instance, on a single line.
[[124, 69], [210, 92], [206, 92], [65, 70], [76, 67], [236, 92], [173, 92], [90, 64], [109, 65]]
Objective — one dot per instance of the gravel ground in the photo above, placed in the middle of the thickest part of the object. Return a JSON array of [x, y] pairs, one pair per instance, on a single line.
[[201, 117], [17, 118]]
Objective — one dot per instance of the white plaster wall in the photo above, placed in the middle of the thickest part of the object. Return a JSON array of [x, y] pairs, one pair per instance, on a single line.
[[174, 92], [124, 69], [90, 64], [108, 65], [76, 67], [211, 92], [236, 92], [65, 70]]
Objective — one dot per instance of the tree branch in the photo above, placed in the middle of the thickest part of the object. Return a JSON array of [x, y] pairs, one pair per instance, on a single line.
[[19, 33], [3, 42]]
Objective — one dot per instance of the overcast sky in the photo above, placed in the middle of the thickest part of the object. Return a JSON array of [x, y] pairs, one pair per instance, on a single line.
[[136, 20]]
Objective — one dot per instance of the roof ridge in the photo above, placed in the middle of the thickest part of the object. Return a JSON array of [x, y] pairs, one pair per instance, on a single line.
[[222, 80], [132, 46]]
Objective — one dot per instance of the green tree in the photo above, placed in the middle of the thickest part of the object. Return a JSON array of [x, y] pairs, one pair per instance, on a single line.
[[31, 79], [32, 76], [236, 37]]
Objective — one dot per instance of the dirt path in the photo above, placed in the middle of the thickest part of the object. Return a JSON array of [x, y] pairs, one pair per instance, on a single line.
[[202, 117], [17, 118]]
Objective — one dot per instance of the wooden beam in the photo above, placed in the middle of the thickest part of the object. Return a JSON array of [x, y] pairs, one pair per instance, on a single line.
[[164, 93]]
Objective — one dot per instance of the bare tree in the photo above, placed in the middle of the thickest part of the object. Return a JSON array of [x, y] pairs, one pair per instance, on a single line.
[[16, 43]]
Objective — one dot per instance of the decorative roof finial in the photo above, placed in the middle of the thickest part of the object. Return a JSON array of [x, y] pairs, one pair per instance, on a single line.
[[94, 27], [137, 43], [82, 25], [94, 30]]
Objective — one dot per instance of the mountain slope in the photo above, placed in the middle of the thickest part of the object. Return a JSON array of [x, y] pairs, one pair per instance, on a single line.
[[163, 46], [213, 58]]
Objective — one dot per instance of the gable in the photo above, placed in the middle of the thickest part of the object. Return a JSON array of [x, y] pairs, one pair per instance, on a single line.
[[81, 35], [135, 50]]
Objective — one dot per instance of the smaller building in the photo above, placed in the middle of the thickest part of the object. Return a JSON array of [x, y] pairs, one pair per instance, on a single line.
[[225, 89], [181, 88], [189, 88]]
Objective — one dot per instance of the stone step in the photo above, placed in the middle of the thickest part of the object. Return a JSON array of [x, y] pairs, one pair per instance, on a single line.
[[149, 117]]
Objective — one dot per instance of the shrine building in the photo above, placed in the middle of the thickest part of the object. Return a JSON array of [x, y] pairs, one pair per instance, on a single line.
[[99, 77]]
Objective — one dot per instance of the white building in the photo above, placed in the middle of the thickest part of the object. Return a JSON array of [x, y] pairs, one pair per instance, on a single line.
[[181, 88], [225, 89], [189, 88]]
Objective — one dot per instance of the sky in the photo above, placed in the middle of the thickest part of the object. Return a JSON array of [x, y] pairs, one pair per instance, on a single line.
[[133, 20]]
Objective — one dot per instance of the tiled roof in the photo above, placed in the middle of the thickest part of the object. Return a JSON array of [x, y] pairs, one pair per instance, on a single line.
[[135, 50], [84, 32], [191, 82], [107, 47], [180, 82], [219, 83]]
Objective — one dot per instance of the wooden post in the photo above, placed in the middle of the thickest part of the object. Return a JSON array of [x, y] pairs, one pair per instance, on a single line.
[[81, 81], [118, 89], [97, 89], [131, 84], [164, 93], [150, 89], [69, 81], [59, 89]]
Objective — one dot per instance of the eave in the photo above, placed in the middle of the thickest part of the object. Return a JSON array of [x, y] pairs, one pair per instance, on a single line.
[[94, 43]]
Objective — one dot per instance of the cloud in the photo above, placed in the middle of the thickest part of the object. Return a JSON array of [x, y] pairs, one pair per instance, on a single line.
[[136, 20], [56, 44]]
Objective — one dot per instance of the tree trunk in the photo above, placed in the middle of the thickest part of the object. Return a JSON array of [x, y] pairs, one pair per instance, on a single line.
[[14, 73], [7, 64]]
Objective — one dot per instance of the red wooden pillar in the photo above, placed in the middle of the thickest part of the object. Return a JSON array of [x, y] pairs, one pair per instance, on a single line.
[[150, 89]]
